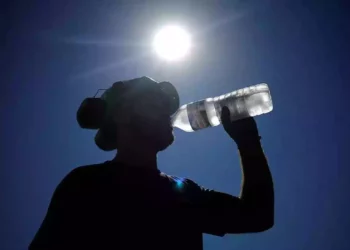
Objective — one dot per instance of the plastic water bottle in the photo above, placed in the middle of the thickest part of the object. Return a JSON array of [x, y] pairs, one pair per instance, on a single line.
[[242, 103]]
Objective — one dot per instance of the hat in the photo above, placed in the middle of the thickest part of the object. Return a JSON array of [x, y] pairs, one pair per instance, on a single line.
[[125, 91]]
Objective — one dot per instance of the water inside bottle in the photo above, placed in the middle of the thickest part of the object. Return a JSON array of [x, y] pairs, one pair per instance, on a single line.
[[246, 102]]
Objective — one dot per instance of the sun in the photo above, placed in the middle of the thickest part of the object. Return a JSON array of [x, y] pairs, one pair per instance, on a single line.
[[172, 43]]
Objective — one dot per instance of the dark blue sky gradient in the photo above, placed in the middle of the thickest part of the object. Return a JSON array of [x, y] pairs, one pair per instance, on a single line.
[[56, 53]]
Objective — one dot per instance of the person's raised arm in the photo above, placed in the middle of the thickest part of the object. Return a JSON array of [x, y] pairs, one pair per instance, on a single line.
[[253, 210], [257, 194]]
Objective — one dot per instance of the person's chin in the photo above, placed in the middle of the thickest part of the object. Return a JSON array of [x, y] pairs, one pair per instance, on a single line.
[[164, 140]]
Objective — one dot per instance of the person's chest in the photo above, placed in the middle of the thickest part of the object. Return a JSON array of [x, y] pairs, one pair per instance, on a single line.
[[148, 211]]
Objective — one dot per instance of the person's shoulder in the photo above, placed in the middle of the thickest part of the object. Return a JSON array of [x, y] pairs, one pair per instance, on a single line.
[[184, 183], [82, 174], [86, 170], [178, 179]]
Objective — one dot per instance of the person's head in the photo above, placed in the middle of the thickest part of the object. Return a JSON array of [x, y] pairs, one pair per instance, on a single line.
[[140, 114]]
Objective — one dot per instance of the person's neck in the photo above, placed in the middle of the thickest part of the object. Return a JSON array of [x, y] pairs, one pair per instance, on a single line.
[[134, 151], [138, 157]]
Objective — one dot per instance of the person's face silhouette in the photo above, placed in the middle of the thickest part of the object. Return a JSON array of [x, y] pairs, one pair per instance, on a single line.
[[152, 119]]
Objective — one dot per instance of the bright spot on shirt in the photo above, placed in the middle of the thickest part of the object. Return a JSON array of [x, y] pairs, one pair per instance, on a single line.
[[179, 183]]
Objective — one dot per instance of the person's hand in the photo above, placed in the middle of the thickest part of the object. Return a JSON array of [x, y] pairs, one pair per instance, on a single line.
[[243, 132]]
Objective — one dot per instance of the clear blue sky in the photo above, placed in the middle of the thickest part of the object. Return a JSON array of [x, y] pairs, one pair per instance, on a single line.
[[56, 53]]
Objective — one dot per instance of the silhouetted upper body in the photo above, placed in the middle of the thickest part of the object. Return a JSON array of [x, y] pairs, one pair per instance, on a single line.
[[127, 203], [112, 206]]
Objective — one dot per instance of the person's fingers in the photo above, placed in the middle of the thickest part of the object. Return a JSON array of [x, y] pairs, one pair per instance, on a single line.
[[244, 124], [247, 126], [249, 122], [225, 116]]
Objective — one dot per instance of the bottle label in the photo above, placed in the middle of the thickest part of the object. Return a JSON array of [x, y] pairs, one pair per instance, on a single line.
[[197, 115]]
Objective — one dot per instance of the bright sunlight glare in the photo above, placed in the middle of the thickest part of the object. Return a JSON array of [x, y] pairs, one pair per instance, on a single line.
[[172, 43]]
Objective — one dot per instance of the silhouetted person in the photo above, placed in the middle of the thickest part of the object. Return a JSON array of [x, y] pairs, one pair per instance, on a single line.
[[127, 203]]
